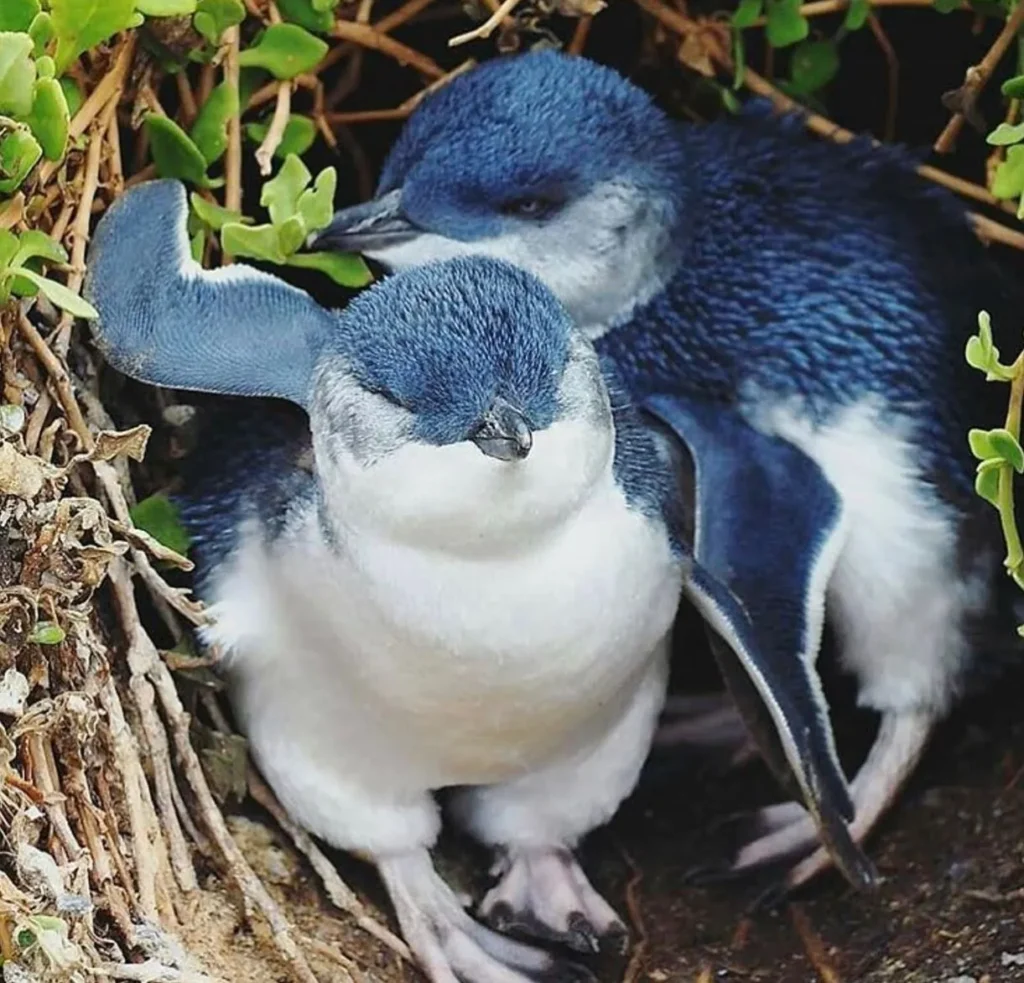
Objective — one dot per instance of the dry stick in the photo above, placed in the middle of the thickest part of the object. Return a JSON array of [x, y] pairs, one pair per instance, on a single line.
[[233, 156], [396, 18], [189, 109], [405, 109], [275, 132], [639, 953], [149, 171], [985, 227], [59, 377], [579, 36], [993, 231], [978, 75], [893, 68], [488, 27], [115, 183], [819, 7], [112, 82], [341, 895], [832, 131], [238, 868], [813, 946], [369, 37], [160, 756], [48, 783], [113, 834], [133, 781], [80, 229]]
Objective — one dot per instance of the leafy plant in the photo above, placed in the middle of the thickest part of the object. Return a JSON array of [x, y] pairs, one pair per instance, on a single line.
[[158, 516], [20, 261], [998, 451], [813, 62], [297, 210]]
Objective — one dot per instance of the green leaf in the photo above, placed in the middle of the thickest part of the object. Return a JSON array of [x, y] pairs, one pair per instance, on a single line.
[[857, 14], [981, 446], [174, 153], [321, 6], [17, 15], [1013, 88], [946, 6], [214, 17], [739, 60], [83, 24], [50, 118], [284, 50], [986, 483], [72, 94], [1007, 447], [214, 215], [57, 293], [166, 8], [345, 269], [197, 245], [34, 244], [813, 65], [786, 25], [42, 32], [47, 633], [1009, 179], [299, 135], [291, 234], [280, 195], [210, 130], [256, 242], [159, 516], [316, 205], [19, 153], [46, 68], [302, 12], [17, 74], [747, 13], [8, 249], [1005, 134]]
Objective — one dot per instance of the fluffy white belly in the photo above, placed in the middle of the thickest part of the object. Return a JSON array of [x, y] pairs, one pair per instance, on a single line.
[[895, 594], [419, 669]]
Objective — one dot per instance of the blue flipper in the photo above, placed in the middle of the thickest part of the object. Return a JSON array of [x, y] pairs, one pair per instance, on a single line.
[[767, 531], [165, 320]]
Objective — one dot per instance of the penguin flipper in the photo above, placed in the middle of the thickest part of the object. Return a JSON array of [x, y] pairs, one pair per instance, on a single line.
[[768, 527]]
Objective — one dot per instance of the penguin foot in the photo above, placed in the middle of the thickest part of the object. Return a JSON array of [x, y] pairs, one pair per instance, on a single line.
[[544, 894], [786, 831], [453, 948], [710, 723]]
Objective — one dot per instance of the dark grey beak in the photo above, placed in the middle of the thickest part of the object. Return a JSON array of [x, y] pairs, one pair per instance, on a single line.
[[504, 432], [366, 227]]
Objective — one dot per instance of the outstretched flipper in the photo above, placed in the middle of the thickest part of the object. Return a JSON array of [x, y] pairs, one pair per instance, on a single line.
[[767, 532], [167, 321]]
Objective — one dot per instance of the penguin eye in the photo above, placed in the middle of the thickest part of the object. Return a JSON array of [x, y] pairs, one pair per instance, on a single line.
[[530, 208]]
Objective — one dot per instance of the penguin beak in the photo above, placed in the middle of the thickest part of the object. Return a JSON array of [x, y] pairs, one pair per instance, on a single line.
[[373, 225], [504, 432]]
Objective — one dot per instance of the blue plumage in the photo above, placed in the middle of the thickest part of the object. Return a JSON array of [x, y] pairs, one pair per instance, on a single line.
[[795, 313], [451, 564]]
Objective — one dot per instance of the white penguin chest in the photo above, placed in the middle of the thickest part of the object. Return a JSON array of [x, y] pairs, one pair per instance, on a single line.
[[469, 669]]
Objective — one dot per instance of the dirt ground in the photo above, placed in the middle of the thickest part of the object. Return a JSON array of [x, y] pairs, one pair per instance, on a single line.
[[950, 908]]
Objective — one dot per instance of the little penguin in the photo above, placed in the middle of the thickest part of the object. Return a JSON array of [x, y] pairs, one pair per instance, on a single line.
[[794, 313], [455, 566]]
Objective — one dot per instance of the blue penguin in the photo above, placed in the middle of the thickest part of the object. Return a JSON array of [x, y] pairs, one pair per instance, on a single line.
[[794, 312], [457, 569]]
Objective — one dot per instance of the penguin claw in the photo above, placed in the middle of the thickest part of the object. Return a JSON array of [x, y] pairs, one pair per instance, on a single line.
[[543, 894]]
